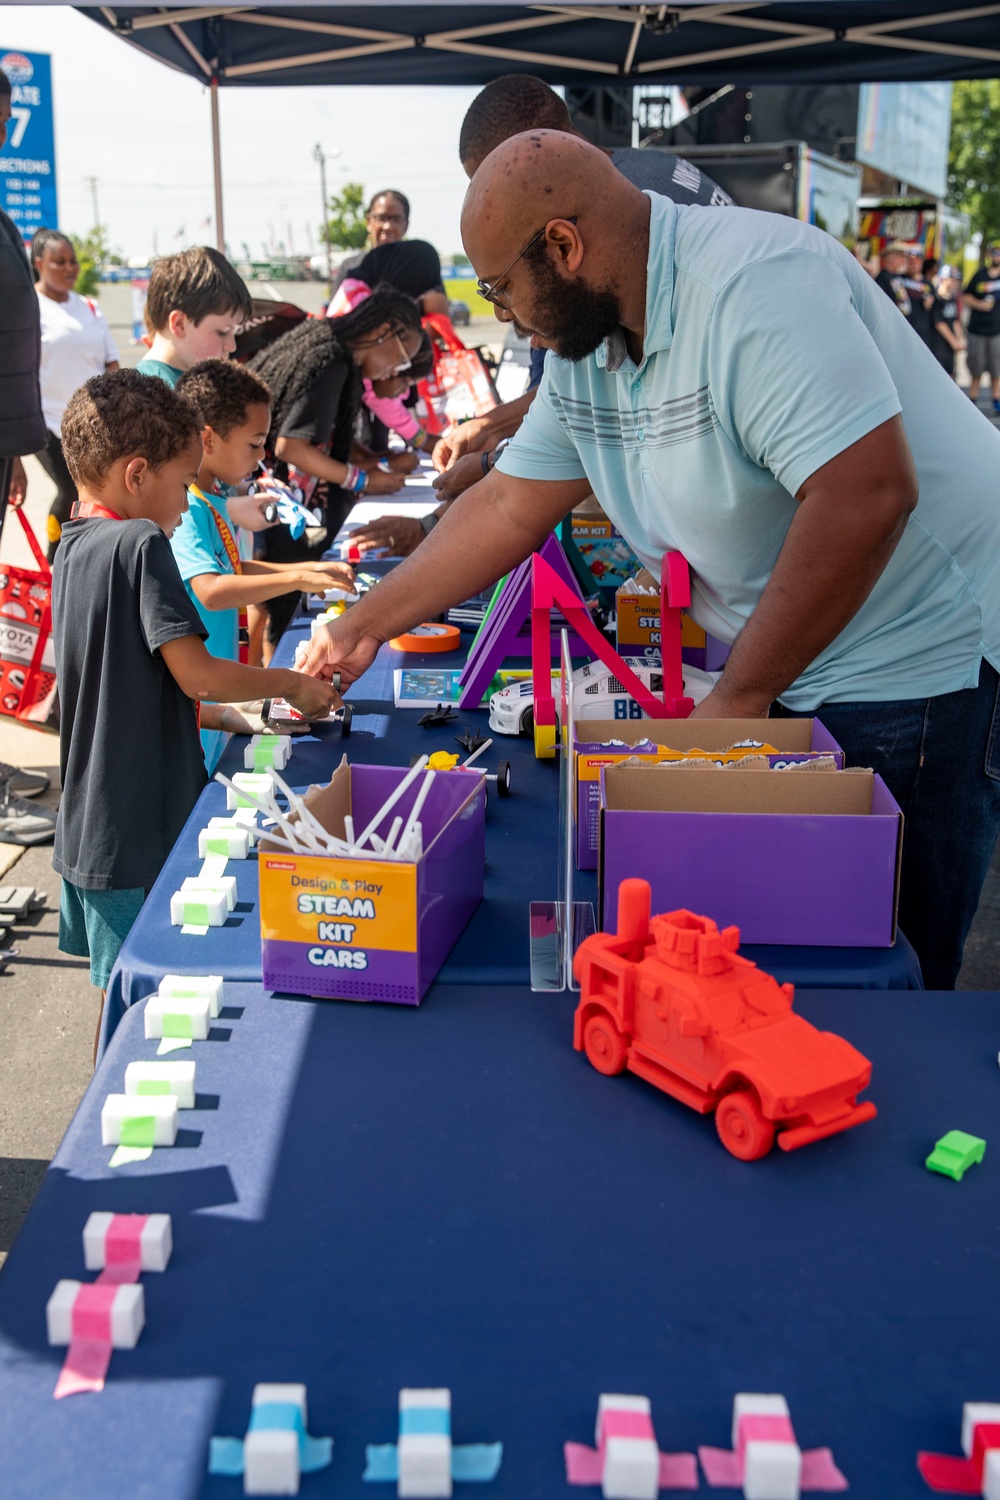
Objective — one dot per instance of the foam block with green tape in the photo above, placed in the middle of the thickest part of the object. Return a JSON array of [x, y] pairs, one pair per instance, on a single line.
[[191, 985], [139, 1120], [199, 907], [153, 1078], [240, 817], [224, 883], [233, 841], [178, 1016], [266, 750], [258, 784]]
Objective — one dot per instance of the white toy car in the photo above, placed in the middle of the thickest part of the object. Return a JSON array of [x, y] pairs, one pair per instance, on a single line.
[[597, 694]]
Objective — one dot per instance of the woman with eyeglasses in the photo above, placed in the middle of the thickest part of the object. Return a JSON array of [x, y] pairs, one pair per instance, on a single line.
[[316, 373]]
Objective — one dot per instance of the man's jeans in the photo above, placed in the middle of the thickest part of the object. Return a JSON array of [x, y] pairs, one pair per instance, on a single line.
[[940, 758]]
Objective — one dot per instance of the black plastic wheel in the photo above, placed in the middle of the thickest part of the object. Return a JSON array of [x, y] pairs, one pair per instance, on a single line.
[[347, 720], [503, 779]]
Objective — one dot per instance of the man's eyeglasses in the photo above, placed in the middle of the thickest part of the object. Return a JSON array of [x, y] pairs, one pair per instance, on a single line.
[[488, 290]]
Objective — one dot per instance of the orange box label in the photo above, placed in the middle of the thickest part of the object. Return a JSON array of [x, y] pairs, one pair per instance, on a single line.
[[361, 903]]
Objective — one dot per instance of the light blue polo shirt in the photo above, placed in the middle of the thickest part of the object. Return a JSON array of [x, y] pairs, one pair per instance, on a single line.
[[768, 351], [198, 548]]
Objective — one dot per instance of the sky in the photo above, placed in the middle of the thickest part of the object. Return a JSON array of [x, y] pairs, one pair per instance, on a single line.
[[144, 131]]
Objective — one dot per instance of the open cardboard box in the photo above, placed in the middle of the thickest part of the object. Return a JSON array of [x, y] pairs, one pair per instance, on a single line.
[[794, 739], [790, 857], [374, 929]]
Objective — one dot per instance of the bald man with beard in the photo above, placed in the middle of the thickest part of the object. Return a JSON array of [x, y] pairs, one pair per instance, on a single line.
[[735, 387]]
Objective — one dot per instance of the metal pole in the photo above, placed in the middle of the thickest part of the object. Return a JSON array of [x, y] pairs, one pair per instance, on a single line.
[[220, 234], [319, 155], [93, 199]]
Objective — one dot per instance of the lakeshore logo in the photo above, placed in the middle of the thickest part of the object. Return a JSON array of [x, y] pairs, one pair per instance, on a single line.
[[18, 68]]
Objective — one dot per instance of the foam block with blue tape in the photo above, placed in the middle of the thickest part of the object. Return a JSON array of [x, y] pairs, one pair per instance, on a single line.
[[277, 1449], [424, 1462]]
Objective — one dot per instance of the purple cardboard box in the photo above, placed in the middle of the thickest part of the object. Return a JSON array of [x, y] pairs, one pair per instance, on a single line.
[[791, 857], [374, 929], [794, 739]]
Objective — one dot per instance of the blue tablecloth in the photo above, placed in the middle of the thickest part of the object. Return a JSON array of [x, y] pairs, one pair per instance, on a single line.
[[372, 1196], [521, 863]]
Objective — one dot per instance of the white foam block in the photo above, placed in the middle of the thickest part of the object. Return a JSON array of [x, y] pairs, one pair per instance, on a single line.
[[275, 747], [198, 1007], [749, 1404], [772, 1471], [234, 843], [424, 1457], [161, 1108], [271, 1463], [128, 1314], [631, 1469], [224, 883], [257, 783], [266, 1393], [605, 1403], [991, 1474], [202, 907], [977, 1414], [191, 985], [177, 1078], [242, 817], [155, 1242]]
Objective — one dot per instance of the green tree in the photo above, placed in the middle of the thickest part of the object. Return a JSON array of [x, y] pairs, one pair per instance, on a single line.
[[348, 222], [93, 252], [974, 157]]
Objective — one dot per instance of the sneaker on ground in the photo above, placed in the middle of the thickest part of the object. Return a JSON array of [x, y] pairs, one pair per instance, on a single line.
[[24, 783], [23, 823]]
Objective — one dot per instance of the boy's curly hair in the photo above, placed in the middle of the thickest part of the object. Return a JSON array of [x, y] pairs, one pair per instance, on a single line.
[[222, 392], [124, 415]]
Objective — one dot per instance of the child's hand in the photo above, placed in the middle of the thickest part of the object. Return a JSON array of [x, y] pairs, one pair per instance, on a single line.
[[380, 483], [313, 697], [340, 574], [248, 511], [402, 463], [313, 578]]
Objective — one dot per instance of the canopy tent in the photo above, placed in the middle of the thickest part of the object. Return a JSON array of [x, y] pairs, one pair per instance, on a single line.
[[600, 41]]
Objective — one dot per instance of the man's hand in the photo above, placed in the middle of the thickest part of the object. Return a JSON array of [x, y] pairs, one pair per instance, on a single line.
[[340, 647], [469, 437], [722, 705], [400, 534], [18, 485], [463, 473]]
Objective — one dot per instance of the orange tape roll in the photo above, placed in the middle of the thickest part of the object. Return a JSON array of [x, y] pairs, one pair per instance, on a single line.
[[428, 638]]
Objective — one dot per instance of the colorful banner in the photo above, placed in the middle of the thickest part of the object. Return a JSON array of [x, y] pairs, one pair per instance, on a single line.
[[28, 160]]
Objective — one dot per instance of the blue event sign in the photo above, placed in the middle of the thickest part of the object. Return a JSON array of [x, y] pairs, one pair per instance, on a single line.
[[28, 160]]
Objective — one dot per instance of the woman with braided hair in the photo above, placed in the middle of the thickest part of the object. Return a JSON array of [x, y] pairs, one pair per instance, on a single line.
[[315, 372]]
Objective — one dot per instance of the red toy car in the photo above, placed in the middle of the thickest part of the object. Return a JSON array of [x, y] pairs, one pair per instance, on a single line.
[[672, 1000]]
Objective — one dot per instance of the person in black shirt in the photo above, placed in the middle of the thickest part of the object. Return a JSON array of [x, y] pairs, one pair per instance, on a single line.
[[892, 276], [982, 296], [411, 266], [946, 325], [921, 295], [315, 374], [130, 658]]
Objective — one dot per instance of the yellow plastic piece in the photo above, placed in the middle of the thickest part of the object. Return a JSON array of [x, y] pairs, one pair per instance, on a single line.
[[442, 760], [545, 741]]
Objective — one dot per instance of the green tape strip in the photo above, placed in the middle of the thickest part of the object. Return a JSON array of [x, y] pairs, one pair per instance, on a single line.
[[153, 1086], [140, 1130], [217, 845], [196, 914], [178, 1024], [263, 757]]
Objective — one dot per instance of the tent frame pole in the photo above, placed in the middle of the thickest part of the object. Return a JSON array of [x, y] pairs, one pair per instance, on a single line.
[[220, 233]]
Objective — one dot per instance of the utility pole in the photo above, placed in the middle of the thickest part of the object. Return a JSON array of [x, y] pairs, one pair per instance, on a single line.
[[319, 155], [93, 199]]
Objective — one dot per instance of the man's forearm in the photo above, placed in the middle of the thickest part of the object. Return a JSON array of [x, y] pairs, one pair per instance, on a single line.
[[483, 535], [825, 571]]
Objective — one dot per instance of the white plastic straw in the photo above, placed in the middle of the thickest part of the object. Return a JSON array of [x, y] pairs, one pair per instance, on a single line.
[[397, 824], [349, 830], [476, 754], [390, 802], [269, 812], [415, 814]]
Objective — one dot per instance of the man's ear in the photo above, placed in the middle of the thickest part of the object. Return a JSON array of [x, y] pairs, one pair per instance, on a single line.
[[136, 473]]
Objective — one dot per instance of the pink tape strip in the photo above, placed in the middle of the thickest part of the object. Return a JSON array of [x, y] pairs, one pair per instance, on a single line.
[[763, 1430], [583, 1464], [123, 1248], [678, 1471], [724, 1470], [89, 1354], [631, 1424]]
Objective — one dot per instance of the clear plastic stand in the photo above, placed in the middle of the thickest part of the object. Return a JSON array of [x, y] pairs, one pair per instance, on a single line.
[[557, 928]]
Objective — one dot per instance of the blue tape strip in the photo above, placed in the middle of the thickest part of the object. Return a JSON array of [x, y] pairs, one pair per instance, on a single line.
[[476, 1461], [314, 1453], [285, 1416], [381, 1462], [225, 1456], [423, 1420]]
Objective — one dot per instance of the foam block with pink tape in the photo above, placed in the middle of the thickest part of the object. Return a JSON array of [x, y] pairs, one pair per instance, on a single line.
[[626, 1461], [121, 1246], [766, 1461], [978, 1473], [92, 1318]]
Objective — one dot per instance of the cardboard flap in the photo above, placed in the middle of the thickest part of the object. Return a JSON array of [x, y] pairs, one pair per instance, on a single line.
[[328, 804], [825, 793], [786, 735]]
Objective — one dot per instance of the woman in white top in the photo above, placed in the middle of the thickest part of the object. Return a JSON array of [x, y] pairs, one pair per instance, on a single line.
[[76, 344]]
